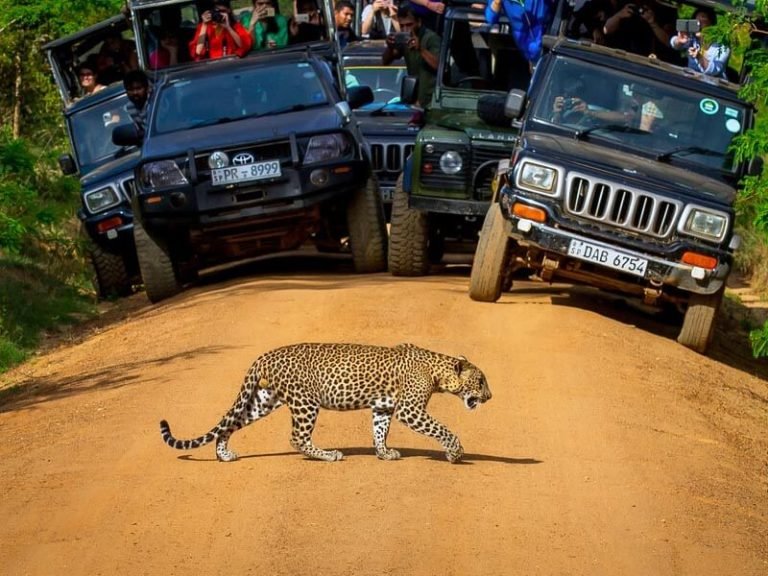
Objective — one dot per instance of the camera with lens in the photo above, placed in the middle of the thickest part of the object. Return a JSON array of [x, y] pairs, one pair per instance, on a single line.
[[217, 16], [401, 40], [636, 10], [569, 103]]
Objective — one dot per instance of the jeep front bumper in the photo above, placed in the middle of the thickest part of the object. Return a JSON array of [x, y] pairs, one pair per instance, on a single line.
[[567, 254]]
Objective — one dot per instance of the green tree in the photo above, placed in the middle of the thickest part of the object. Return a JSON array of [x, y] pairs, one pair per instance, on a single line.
[[28, 102], [745, 31]]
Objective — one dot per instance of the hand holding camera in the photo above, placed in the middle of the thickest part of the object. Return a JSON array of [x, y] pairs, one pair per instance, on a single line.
[[563, 104], [401, 41], [220, 17]]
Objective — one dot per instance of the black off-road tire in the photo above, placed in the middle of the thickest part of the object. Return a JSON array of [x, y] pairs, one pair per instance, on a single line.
[[367, 229], [490, 109], [699, 321], [488, 266], [158, 271], [409, 237], [110, 272]]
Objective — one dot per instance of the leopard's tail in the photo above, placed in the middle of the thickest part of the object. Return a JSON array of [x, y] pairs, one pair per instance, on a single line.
[[233, 420], [168, 438]]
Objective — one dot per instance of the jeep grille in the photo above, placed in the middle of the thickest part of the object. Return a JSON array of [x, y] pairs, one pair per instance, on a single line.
[[129, 187], [389, 157], [484, 164], [621, 207]]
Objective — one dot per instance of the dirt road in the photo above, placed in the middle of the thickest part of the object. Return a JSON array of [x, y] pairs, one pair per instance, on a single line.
[[606, 449]]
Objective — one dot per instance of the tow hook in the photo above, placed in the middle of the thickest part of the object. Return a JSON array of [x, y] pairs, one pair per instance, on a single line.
[[549, 265], [651, 295]]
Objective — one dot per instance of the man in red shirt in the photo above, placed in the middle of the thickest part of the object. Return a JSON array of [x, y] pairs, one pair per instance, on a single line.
[[219, 34]]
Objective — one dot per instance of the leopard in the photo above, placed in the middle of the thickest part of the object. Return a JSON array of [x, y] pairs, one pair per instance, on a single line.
[[389, 380]]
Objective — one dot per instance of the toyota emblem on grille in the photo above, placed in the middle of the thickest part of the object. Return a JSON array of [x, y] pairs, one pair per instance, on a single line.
[[243, 158]]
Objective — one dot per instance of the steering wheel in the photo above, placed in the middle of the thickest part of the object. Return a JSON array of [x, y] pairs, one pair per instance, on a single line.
[[468, 79], [386, 92], [573, 116]]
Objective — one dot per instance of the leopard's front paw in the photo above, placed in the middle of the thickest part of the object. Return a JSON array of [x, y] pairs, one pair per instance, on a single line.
[[388, 454], [454, 453], [335, 455]]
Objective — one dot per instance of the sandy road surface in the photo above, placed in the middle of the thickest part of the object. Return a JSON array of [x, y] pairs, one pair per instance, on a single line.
[[606, 449]]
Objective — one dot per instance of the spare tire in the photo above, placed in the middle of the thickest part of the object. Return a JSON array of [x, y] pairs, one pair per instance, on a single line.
[[490, 109]]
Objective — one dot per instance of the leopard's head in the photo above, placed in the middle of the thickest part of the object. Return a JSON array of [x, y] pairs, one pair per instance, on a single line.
[[468, 383]]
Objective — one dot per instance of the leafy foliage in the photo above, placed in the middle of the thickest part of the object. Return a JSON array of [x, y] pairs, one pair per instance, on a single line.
[[752, 204]]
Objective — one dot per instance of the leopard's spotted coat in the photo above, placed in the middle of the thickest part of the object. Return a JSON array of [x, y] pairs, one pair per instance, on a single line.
[[396, 380]]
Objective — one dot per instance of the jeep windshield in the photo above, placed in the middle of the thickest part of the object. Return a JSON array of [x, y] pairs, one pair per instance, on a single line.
[[384, 81], [654, 118], [92, 131], [217, 98], [482, 58]]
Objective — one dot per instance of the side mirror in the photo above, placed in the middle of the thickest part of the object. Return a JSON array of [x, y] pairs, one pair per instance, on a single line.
[[67, 164], [345, 112], [126, 135], [358, 96], [515, 104], [755, 166], [408, 90]]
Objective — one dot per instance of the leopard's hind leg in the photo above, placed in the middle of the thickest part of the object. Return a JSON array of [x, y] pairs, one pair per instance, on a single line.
[[303, 418], [262, 403]]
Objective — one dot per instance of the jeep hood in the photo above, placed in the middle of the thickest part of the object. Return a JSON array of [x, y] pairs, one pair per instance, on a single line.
[[121, 166], [242, 132], [470, 123], [386, 125], [639, 171]]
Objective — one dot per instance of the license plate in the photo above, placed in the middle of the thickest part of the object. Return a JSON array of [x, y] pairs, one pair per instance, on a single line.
[[246, 173], [607, 257]]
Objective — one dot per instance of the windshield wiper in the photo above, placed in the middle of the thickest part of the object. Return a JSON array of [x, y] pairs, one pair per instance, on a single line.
[[286, 109], [581, 134], [275, 111], [381, 110], [665, 156]]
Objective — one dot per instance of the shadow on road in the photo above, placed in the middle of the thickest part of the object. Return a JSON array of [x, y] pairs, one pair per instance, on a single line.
[[361, 451], [34, 391], [731, 345]]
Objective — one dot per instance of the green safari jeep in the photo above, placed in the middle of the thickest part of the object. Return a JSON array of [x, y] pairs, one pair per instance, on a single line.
[[445, 189]]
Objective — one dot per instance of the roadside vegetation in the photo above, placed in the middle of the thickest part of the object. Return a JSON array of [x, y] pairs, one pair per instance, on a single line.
[[44, 280]]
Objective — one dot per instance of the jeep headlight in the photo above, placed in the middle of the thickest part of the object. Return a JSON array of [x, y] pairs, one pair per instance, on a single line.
[[326, 147], [705, 224], [162, 174], [101, 199], [538, 178], [451, 162]]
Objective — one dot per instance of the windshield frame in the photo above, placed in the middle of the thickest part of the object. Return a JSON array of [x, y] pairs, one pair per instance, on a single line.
[[693, 116], [474, 18], [170, 103], [83, 127]]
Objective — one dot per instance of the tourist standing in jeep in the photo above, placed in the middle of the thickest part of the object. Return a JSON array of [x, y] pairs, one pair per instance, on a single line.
[[419, 47]]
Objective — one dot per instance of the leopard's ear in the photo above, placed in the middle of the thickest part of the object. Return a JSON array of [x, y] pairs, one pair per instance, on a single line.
[[462, 364]]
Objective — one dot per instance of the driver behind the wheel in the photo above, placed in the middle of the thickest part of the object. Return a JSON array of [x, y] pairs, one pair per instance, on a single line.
[[638, 108], [568, 104]]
